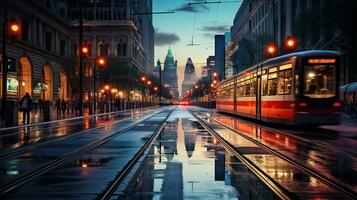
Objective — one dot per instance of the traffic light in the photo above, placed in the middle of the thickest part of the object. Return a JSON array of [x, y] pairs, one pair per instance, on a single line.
[[14, 30], [290, 43], [101, 62], [85, 50], [271, 50], [11, 64]]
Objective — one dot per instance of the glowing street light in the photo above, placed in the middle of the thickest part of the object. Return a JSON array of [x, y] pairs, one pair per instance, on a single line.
[[143, 78], [215, 74], [106, 87], [149, 82], [290, 43], [270, 50]]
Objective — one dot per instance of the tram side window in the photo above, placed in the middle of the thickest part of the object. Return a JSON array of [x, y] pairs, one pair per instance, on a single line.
[[284, 84], [247, 88], [272, 84], [241, 89], [264, 85], [231, 93], [252, 89]]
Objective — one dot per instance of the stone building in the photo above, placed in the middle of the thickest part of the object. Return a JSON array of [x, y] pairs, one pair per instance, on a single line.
[[46, 55], [43, 53], [316, 24]]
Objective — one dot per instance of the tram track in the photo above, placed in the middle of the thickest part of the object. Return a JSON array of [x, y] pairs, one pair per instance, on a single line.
[[294, 134], [5, 189], [107, 193], [36, 145], [266, 179], [343, 188], [57, 122]]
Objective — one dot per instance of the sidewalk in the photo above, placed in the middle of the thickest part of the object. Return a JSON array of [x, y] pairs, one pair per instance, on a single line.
[[37, 117], [347, 125]]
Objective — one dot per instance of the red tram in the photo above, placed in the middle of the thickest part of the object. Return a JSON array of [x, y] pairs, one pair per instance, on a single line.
[[299, 88]]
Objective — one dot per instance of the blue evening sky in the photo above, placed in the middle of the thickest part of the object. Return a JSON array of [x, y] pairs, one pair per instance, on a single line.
[[176, 29]]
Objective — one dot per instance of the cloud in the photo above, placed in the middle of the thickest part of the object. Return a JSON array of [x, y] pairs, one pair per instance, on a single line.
[[191, 8], [221, 28], [162, 38]]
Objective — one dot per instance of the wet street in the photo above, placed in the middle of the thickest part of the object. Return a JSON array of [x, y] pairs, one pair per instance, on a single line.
[[173, 152]]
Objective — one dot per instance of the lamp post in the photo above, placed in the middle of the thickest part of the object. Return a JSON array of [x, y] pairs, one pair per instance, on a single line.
[[101, 62], [12, 28], [4, 67], [160, 85], [81, 55]]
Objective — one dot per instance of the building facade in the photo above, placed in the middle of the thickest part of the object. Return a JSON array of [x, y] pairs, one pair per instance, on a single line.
[[43, 52], [228, 50], [189, 76], [117, 31], [315, 24], [219, 46], [47, 53], [170, 73]]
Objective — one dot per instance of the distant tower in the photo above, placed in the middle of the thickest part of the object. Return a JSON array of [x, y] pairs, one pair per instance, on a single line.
[[157, 68], [189, 78], [170, 73]]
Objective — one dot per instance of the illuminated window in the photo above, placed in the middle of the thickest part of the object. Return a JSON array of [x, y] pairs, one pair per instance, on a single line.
[[272, 83], [284, 84]]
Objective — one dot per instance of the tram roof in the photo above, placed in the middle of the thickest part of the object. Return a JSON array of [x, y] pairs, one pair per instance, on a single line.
[[286, 57], [300, 54]]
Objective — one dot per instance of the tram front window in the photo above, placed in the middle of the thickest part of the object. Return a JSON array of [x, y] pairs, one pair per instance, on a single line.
[[319, 81]]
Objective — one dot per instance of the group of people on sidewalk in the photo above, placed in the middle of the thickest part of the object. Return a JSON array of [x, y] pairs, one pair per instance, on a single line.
[[64, 107]]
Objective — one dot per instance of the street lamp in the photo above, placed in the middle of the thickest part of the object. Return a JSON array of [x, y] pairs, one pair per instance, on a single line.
[[12, 28], [215, 74], [143, 78], [101, 62], [271, 50], [290, 43]]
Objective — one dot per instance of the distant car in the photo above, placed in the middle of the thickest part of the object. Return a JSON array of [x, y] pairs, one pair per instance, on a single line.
[[184, 102]]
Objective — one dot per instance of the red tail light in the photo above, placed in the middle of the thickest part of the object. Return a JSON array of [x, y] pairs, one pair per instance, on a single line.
[[337, 104], [302, 104]]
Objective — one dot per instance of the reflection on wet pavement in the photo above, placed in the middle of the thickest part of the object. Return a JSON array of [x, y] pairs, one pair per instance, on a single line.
[[90, 173], [28, 161], [334, 164], [20, 137], [286, 174], [186, 162]]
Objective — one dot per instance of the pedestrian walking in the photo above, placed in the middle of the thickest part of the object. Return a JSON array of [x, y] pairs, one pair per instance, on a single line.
[[58, 107], [63, 107], [26, 104], [40, 105]]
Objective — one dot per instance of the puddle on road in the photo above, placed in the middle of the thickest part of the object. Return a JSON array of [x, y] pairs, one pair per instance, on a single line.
[[187, 162]]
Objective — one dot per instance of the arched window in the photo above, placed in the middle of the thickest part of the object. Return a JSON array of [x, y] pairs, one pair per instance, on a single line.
[[124, 49], [103, 49], [119, 49]]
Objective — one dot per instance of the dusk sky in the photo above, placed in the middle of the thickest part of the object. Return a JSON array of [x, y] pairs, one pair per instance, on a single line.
[[177, 29]]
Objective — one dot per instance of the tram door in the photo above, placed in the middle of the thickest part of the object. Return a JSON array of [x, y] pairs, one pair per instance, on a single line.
[[258, 97]]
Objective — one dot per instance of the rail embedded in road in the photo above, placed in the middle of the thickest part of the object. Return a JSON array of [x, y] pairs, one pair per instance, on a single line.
[[10, 186], [227, 135]]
